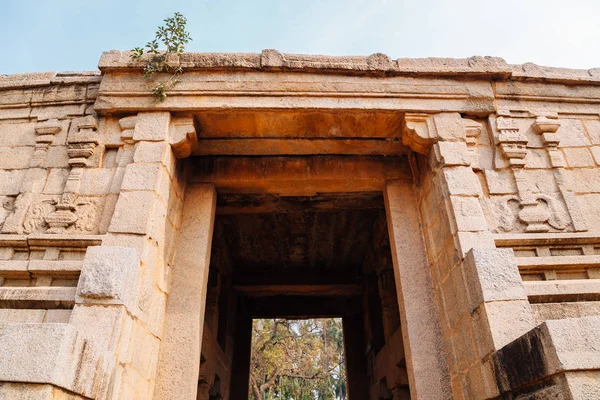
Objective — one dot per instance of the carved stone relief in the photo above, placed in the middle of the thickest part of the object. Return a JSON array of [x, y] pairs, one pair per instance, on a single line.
[[55, 214], [524, 200], [7, 207]]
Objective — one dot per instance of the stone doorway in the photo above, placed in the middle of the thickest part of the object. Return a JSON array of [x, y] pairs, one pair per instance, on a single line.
[[303, 257]]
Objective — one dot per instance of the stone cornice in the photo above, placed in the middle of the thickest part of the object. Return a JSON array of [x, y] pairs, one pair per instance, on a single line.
[[272, 60], [37, 79], [378, 63]]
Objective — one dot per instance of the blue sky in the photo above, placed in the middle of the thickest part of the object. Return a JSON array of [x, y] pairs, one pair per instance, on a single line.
[[70, 35]]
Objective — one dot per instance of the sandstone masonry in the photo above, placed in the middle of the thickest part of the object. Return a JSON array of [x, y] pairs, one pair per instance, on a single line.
[[490, 175]]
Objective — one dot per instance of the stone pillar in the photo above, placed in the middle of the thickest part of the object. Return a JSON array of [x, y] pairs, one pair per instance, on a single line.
[[475, 286], [179, 357], [356, 361], [242, 348], [424, 347]]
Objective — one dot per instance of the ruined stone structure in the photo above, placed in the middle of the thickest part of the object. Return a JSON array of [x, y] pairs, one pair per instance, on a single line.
[[447, 209]]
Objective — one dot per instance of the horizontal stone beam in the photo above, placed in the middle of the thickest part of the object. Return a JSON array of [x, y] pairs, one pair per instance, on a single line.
[[299, 176], [292, 147], [299, 290]]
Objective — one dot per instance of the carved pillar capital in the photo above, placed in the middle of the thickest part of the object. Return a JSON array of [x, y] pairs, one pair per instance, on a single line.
[[418, 132], [46, 131], [127, 125], [512, 142], [421, 131], [547, 128], [182, 136]]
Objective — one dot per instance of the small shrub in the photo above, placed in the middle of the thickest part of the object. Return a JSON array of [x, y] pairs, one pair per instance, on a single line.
[[174, 37]]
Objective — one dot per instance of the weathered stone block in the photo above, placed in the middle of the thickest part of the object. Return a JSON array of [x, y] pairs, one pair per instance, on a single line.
[[152, 126], [57, 316], [134, 212], [109, 273], [15, 157], [145, 355], [507, 320], [48, 353], [553, 347], [500, 182], [578, 157], [56, 180], [147, 176], [451, 154], [572, 133], [474, 240], [150, 152], [35, 180], [13, 135], [10, 182], [593, 130], [96, 181], [449, 126], [467, 213], [12, 316], [492, 275], [56, 157], [461, 181]]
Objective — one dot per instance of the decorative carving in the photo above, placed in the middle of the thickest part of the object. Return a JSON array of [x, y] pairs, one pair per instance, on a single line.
[[51, 216], [512, 143], [472, 131], [35, 218], [127, 125], [87, 212], [69, 212], [417, 132], [45, 136], [7, 207], [79, 153], [183, 137], [547, 128], [539, 213], [530, 212], [82, 141]]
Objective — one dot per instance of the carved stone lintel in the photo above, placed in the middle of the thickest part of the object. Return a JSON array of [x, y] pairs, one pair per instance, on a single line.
[[183, 137]]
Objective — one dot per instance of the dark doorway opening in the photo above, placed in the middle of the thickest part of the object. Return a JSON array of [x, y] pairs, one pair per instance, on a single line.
[[296, 258]]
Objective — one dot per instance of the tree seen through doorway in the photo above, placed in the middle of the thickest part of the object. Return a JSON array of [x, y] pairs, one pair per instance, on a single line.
[[297, 360]]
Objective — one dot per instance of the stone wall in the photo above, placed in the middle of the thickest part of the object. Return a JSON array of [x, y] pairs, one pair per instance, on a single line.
[[90, 207], [505, 163]]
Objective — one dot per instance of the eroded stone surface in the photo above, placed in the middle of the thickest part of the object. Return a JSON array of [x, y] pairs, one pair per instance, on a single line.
[[492, 174]]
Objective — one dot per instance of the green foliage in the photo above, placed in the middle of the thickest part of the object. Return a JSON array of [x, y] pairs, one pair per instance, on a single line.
[[297, 360], [174, 37]]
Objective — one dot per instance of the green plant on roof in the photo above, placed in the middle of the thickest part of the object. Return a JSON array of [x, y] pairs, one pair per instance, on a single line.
[[164, 61]]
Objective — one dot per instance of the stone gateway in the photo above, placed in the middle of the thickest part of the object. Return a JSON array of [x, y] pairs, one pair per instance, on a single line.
[[448, 210]]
